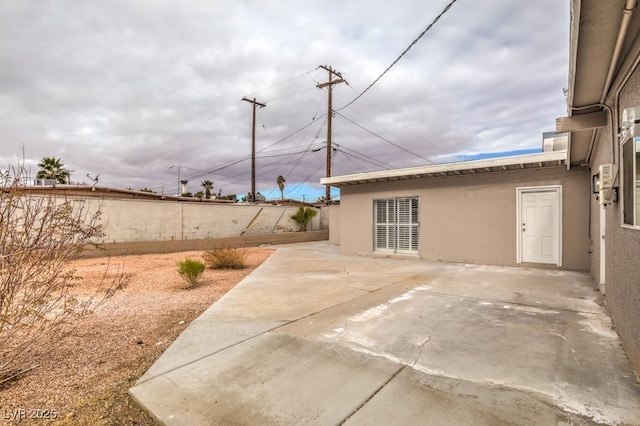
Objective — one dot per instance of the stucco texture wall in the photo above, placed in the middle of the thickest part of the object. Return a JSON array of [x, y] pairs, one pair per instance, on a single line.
[[334, 223], [471, 218], [622, 254]]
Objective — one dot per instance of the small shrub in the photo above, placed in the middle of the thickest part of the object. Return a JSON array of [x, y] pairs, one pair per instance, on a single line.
[[190, 270], [225, 258], [303, 216]]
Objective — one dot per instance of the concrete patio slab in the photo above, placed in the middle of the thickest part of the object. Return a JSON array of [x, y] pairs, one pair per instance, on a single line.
[[270, 380], [313, 337], [219, 334], [413, 398]]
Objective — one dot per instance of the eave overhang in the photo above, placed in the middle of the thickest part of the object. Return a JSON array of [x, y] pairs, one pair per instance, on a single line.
[[521, 162], [599, 47]]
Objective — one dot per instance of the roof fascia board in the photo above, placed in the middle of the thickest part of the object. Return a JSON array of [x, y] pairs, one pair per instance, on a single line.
[[448, 167], [573, 50]]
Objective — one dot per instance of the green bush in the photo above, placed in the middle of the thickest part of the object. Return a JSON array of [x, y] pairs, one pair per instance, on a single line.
[[225, 258], [303, 216], [190, 270]]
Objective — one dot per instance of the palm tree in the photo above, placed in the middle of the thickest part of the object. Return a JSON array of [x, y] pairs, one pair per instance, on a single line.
[[280, 181], [52, 168], [208, 186]]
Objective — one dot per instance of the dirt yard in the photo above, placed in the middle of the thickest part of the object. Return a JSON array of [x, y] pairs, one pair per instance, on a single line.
[[85, 380]]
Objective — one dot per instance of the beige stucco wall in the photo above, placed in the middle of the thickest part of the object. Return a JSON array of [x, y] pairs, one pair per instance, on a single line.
[[129, 221], [334, 223], [471, 218], [622, 271]]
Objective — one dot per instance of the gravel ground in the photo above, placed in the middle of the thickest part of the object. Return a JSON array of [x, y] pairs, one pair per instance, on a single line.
[[85, 380]]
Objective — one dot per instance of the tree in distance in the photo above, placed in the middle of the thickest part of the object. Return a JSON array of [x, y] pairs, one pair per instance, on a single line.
[[208, 187], [280, 180], [51, 168]]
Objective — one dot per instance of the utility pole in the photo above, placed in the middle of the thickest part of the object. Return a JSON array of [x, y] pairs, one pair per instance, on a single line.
[[178, 190], [253, 146], [330, 85]]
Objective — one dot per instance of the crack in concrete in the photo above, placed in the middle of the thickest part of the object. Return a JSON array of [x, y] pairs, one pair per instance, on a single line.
[[422, 344]]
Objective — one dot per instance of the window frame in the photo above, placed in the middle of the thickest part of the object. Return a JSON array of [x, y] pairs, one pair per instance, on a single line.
[[628, 177], [402, 231]]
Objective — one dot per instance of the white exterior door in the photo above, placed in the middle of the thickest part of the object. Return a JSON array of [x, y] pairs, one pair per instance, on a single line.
[[539, 225]]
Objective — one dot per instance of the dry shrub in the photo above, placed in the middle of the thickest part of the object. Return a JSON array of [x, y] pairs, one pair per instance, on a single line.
[[40, 237], [190, 270], [225, 258]]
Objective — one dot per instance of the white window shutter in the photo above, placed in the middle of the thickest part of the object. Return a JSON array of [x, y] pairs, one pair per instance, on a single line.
[[396, 225]]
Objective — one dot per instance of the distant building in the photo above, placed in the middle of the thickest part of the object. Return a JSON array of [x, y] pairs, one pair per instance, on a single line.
[[553, 141]]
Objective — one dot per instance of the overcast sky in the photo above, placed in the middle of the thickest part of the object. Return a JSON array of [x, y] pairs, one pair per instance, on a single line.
[[127, 89]]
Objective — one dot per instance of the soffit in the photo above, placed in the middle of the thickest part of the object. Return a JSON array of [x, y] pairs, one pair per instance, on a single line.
[[597, 33], [594, 30]]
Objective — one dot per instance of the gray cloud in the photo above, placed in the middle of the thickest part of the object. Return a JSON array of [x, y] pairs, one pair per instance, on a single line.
[[129, 88]]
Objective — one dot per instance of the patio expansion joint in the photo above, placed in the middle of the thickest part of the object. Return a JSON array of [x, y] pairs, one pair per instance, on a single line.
[[402, 279], [373, 394], [365, 293], [193, 361]]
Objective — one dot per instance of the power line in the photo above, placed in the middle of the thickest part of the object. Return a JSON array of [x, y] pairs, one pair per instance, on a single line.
[[390, 117], [293, 133], [284, 155], [263, 127], [358, 166], [384, 139], [246, 157], [283, 83], [296, 188], [292, 95], [308, 147], [446, 9], [362, 157]]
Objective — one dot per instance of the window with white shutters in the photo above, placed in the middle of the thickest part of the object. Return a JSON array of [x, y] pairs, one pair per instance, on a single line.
[[631, 182], [396, 225]]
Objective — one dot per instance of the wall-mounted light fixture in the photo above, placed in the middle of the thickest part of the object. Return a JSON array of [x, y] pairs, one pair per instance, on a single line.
[[595, 184], [607, 192]]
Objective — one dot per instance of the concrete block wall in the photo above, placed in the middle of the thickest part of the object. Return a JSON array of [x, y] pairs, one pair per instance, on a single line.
[[132, 221], [146, 247]]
